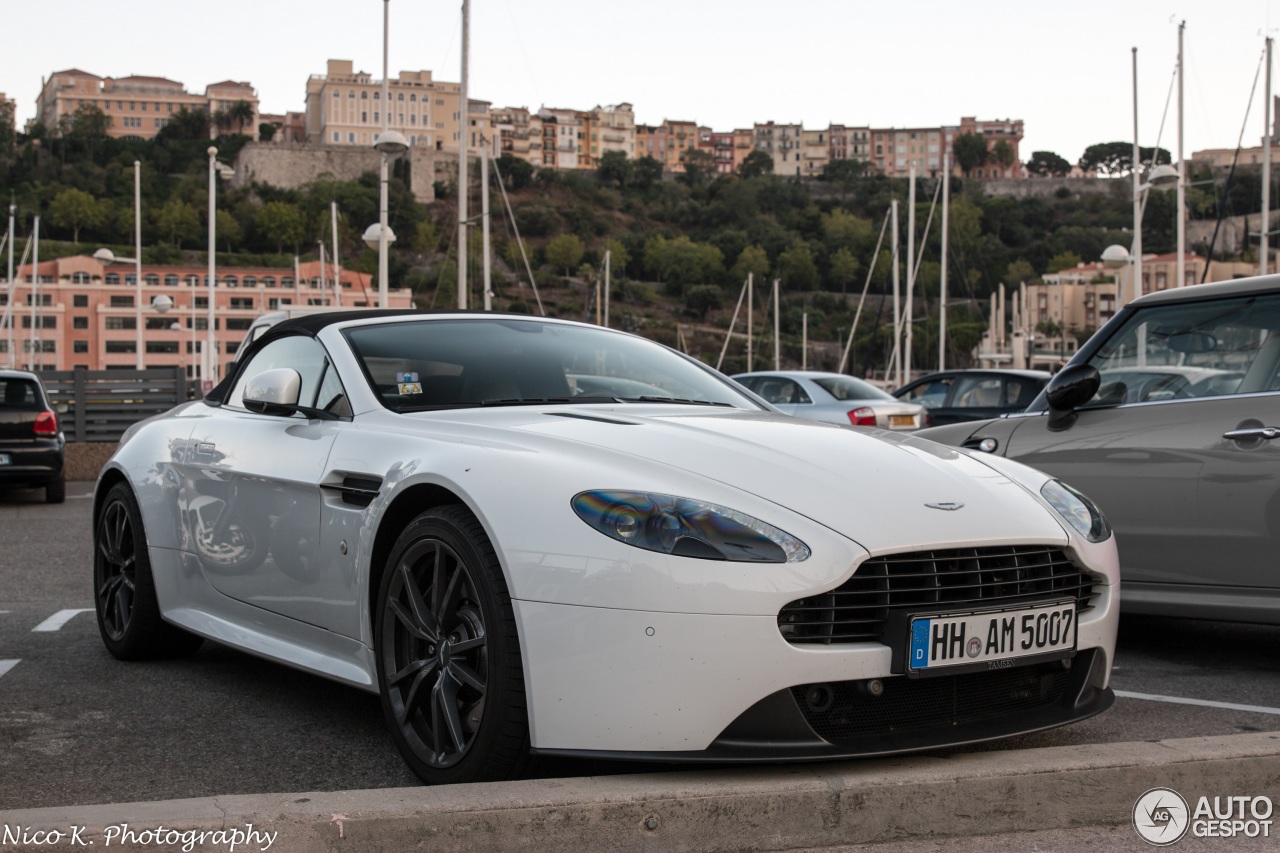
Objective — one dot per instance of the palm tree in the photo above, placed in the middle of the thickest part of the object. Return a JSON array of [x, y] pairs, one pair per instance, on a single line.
[[240, 112]]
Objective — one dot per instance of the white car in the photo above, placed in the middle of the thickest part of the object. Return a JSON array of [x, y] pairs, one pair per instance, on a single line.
[[538, 536]]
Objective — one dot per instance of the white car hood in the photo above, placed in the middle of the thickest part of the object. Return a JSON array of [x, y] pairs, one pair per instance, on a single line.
[[871, 486]]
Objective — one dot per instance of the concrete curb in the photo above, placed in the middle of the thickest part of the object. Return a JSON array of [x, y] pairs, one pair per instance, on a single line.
[[745, 809]]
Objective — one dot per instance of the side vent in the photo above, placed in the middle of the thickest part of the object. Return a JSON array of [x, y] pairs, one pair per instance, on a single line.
[[356, 490]]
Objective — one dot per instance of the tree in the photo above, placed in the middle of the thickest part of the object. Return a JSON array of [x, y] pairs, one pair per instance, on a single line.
[[516, 173], [844, 268], [1063, 261], [619, 257], [844, 174], [75, 209], [88, 128], [565, 252], [647, 172], [681, 262], [1047, 164], [699, 166], [1018, 272], [703, 298], [267, 131], [842, 228], [281, 223], [1002, 153], [970, 150], [796, 267], [222, 119], [186, 124], [228, 228], [752, 260], [1116, 158], [615, 167], [240, 113], [755, 164], [178, 221]]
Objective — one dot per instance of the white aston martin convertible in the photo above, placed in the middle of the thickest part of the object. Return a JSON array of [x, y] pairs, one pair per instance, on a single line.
[[533, 536]]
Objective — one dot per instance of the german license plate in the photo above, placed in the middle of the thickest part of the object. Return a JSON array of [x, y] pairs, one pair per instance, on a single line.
[[902, 420], [4, 458], [993, 639]]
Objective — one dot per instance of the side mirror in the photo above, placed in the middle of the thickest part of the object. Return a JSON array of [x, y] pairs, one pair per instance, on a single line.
[[1069, 389], [273, 392]]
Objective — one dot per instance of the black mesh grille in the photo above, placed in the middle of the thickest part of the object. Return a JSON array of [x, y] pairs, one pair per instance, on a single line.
[[848, 712], [1007, 575]]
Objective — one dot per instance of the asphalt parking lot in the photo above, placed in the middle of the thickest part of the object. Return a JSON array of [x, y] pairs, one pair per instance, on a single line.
[[77, 727]]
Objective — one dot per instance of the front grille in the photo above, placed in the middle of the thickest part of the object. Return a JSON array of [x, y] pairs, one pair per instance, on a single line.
[[956, 579], [844, 711]]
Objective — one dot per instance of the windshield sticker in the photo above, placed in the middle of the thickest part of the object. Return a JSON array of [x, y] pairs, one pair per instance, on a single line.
[[406, 377], [407, 388]]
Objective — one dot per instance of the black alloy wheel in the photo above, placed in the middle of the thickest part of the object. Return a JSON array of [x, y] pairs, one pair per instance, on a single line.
[[124, 590], [448, 658]]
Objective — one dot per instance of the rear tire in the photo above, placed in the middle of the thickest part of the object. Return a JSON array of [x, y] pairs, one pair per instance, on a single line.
[[124, 591], [55, 491], [448, 656]]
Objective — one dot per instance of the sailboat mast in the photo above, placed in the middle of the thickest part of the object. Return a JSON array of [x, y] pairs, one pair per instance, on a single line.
[[464, 123], [484, 222]]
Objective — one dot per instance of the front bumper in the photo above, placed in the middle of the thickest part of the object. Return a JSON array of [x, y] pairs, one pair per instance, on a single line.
[[670, 687]]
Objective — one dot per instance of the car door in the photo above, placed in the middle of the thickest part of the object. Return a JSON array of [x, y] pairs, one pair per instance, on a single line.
[[253, 516], [933, 393], [1190, 479]]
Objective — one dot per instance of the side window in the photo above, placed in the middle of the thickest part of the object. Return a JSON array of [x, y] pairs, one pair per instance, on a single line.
[[930, 394], [332, 397], [297, 352], [978, 392], [1193, 349]]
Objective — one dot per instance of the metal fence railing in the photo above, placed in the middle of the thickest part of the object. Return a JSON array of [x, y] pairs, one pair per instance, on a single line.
[[102, 404]]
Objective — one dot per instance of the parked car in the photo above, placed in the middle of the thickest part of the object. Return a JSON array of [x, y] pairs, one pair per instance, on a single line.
[[529, 534], [953, 396], [32, 447], [834, 398], [1168, 417]]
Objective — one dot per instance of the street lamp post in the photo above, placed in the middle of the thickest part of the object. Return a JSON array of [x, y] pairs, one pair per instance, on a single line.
[[210, 355], [389, 144], [137, 254]]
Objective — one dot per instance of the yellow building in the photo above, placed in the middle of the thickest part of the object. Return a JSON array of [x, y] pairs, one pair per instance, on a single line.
[[344, 107], [139, 106]]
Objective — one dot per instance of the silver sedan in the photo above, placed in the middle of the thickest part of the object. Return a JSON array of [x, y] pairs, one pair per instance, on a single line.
[[834, 398]]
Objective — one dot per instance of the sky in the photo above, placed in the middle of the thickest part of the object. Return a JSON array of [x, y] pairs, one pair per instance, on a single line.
[[1065, 69]]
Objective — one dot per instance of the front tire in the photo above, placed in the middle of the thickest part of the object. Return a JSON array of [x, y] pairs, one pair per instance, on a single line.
[[449, 667], [124, 590]]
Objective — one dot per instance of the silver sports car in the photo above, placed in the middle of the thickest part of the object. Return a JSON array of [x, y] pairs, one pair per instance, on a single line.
[[537, 536]]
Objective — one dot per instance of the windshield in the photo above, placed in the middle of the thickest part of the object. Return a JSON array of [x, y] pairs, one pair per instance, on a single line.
[[848, 388], [448, 363]]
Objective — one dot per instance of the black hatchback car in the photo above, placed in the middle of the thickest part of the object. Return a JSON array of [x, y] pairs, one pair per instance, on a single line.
[[32, 447], [955, 396]]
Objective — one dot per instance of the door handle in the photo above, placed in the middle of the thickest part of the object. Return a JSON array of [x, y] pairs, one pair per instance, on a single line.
[[1264, 433]]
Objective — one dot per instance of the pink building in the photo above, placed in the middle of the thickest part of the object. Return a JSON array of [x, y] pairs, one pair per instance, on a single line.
[[84, 313]]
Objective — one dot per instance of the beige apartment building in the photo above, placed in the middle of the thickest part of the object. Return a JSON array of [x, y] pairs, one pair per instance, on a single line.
[[849, 143], [519, 134], [611, 128], [344, 107], [84, 313], [561, 137], [667, 142], [138, 106]]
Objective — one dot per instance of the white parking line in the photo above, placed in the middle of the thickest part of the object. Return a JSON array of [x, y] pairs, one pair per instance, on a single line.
[[1205, 703], [6, 665], [57, 620]]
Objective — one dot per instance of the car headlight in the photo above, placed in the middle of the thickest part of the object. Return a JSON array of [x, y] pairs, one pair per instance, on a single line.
[[1077, 510], [686, 528]]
